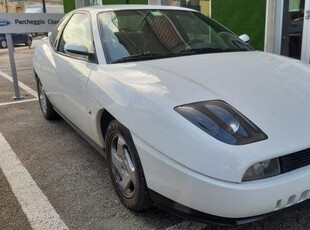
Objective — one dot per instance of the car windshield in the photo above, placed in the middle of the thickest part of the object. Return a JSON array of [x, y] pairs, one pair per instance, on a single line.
[[135, 35]]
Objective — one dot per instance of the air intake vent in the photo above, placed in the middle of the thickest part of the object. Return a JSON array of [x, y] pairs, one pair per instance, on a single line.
[[295, 160]]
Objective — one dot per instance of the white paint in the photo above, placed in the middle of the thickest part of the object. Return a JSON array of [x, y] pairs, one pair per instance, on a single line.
[[270, 23], [37, 208], [278, 27], [22, 68], [305, 51], [18, 102], [21, 85]]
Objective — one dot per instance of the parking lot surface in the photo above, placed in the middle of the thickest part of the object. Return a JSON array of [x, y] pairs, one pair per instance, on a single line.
[[51, 171]]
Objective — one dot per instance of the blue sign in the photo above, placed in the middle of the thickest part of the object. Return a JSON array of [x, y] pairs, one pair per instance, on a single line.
[[4, 22]]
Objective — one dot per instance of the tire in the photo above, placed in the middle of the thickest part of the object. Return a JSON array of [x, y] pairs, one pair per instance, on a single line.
[[28, 42], [3, 44], [46, 107], [125, 168]]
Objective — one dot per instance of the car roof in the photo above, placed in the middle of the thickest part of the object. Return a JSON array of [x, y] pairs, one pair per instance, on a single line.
[[96, 9]]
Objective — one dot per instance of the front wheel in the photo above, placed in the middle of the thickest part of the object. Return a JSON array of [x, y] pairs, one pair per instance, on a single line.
[[3, 44], [125, 168], [29, 42], [46, 107]]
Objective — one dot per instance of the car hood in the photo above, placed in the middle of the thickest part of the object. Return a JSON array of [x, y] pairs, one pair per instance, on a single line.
[[270, 90]]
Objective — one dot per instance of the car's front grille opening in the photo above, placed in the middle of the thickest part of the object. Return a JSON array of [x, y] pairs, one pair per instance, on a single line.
[[295, 160]]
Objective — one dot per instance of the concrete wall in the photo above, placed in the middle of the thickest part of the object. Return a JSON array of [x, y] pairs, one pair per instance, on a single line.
[[21, 6], [12, 6], [205, 7]]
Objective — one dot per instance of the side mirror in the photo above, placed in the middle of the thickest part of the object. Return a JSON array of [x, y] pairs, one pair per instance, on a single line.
[[245, 38], [76, 49]]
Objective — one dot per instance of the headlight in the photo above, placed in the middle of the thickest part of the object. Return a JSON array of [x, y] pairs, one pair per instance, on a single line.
[[222, 122], [262, 170]]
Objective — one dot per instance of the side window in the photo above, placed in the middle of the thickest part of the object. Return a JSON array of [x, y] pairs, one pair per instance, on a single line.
[[78, 32], [57, 29]]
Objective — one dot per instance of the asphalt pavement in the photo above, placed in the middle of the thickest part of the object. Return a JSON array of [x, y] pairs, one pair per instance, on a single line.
[[72, 176]]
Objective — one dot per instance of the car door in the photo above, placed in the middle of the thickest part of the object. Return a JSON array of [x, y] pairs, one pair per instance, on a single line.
[[17, 38], [73, 70]]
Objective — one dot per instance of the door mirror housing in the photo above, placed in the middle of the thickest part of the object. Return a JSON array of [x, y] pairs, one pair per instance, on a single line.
[[245, 38], [76, 49]]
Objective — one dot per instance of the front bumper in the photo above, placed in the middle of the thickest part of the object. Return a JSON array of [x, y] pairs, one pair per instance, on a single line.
[[219, 198], [186, 212]]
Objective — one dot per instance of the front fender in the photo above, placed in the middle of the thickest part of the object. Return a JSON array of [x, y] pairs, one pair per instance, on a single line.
[[140, 102]]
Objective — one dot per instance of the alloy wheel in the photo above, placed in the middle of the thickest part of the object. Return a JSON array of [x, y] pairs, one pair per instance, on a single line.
[[3, 44], [43, 101], [123, 166]]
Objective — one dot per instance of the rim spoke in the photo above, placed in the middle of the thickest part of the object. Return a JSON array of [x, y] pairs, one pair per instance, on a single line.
[[43, 99], [123, 166], [117, 162], [124, 184], [120, 147], [130, 166]]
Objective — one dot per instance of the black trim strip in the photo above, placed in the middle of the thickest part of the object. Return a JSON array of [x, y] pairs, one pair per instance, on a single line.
[[180, 210], [295, 160]]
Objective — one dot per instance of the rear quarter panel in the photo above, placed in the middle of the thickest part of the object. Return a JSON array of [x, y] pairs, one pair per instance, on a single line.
[[45, 67]]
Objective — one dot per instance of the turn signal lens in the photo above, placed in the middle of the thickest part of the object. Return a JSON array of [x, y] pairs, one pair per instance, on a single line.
[[262, 170]]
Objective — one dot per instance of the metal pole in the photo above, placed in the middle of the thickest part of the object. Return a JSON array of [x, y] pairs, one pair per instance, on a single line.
[[13, 66], [44, 6], [6, 6]]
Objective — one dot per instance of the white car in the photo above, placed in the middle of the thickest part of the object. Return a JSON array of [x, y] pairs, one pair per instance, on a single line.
[[189, 116]]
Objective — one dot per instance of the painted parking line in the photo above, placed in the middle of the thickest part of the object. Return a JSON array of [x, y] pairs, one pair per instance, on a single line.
[[21, 68], [18, 102], [38, 210], [21, 85]]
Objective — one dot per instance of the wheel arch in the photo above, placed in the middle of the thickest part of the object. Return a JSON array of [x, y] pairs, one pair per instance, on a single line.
[[105, 119], [36, 77]]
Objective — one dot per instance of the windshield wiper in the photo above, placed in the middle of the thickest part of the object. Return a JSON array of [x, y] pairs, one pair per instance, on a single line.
[[209, 50], [150, 56], [142, 57]]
